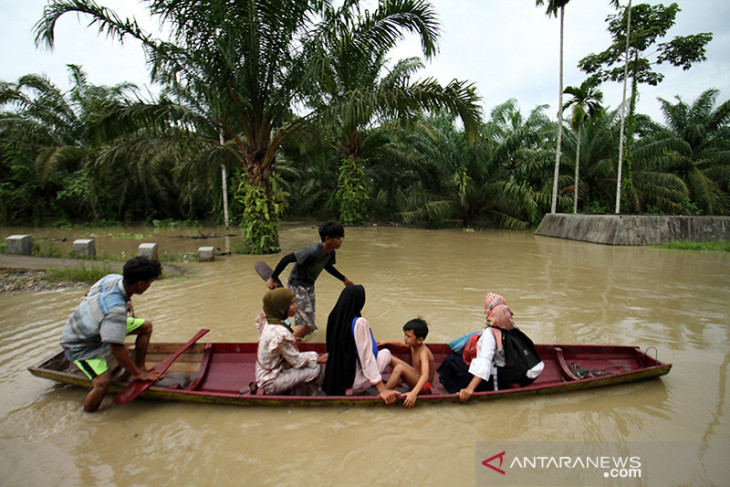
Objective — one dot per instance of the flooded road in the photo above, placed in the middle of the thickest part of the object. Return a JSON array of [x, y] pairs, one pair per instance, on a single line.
[[560, 291]]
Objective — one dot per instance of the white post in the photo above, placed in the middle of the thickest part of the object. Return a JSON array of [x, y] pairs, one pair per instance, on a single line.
[[224, 186]]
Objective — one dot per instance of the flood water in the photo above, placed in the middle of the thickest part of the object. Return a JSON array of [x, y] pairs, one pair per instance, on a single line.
[[560, 291]]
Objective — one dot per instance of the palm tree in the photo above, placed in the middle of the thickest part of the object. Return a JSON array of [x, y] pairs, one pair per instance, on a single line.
[[351, 102], [525, 145], [252, 63], [474, 181], [598, 161], [69, 133], [553, 7], [633, 53], [694, 147], [586, 103], [353, 93]]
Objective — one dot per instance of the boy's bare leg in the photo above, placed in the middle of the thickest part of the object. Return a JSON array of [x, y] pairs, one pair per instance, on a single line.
[[396, 361], [141, 343], [394, 379], [402, 372], [99, 387]]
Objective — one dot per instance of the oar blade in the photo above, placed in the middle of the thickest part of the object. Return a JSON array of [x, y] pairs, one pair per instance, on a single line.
[[136, 388]]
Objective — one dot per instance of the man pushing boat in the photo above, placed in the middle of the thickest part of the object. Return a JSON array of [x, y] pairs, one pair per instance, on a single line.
[[100, 324]]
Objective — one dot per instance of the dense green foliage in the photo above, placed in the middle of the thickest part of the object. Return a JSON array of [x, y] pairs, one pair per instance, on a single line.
[[261, 237], [237, 73], [373, 145]]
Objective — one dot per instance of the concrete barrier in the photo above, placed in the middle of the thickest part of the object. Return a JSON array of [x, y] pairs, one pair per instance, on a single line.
[[206, 254], [19, 244], [84, 247], [634, 229], [148, 250]]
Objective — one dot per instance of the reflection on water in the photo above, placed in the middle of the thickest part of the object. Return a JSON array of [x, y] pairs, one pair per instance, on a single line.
[[560, 291]]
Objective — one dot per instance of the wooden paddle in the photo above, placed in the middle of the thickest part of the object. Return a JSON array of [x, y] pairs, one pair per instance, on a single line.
[[264, 271], [137, 387]]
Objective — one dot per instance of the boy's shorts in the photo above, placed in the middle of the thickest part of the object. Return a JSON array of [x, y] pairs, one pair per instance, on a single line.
[[304, 297], [94, 367]]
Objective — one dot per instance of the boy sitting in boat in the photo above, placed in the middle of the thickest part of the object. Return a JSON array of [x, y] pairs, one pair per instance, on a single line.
[[308, 264], [100, 324], [418, 376]]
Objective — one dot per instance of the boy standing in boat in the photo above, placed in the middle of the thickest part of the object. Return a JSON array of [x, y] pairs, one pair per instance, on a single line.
[[100, 324], [308, 264], [418, 376]]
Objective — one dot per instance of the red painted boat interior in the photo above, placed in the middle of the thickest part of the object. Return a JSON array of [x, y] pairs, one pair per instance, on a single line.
[[230, 367]]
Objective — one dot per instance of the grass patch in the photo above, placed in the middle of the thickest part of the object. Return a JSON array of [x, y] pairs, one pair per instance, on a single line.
[[702, 246], [79, 274]]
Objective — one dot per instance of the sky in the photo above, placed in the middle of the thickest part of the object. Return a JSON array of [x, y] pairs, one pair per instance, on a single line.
[[507, 48]]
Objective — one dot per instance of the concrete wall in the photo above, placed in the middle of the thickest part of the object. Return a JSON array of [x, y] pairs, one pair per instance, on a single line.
[[635, 229]]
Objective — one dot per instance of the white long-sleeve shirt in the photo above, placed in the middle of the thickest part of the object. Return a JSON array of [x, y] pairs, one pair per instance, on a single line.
[[483, 366]]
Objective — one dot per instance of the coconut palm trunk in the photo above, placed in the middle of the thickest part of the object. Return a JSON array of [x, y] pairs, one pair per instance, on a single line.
[[622, 136], [577, 172], [556, 175], [553, 7]]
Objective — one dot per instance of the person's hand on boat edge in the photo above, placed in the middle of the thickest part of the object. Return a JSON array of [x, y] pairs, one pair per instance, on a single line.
[[465, 394], [409, 399]]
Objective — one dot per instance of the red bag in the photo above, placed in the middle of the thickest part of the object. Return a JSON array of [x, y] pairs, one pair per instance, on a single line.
[[470, 349]]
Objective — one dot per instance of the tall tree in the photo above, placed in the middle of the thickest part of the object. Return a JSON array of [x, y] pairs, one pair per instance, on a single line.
[[553, 8], [475, 182], [67, 134], [251, 63], [695, 147], [586, 103], [642, 51], [599, 141], [352, 98], [622, 134]]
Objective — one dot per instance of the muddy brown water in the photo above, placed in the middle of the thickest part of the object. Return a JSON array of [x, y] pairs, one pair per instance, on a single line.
[[561, 292]]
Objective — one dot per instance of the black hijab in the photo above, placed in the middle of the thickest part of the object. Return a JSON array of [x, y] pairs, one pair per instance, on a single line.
[[340, 371]]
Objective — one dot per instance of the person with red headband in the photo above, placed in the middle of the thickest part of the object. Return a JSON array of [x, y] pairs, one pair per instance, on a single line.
[[492, 355]]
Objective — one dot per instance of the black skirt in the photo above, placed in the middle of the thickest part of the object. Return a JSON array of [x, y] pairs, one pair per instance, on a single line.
[[454, 375]]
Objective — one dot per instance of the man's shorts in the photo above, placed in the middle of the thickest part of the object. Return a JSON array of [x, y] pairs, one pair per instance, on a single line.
[[304, 297], [96, 366]]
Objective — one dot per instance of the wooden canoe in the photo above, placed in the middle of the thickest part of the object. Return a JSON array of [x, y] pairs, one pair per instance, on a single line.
[[221, 372]]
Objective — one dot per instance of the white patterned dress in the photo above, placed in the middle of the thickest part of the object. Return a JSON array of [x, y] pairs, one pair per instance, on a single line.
[[280, 367]]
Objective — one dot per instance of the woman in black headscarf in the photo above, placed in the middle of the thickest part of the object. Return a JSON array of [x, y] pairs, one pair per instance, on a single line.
[[353, 357]]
